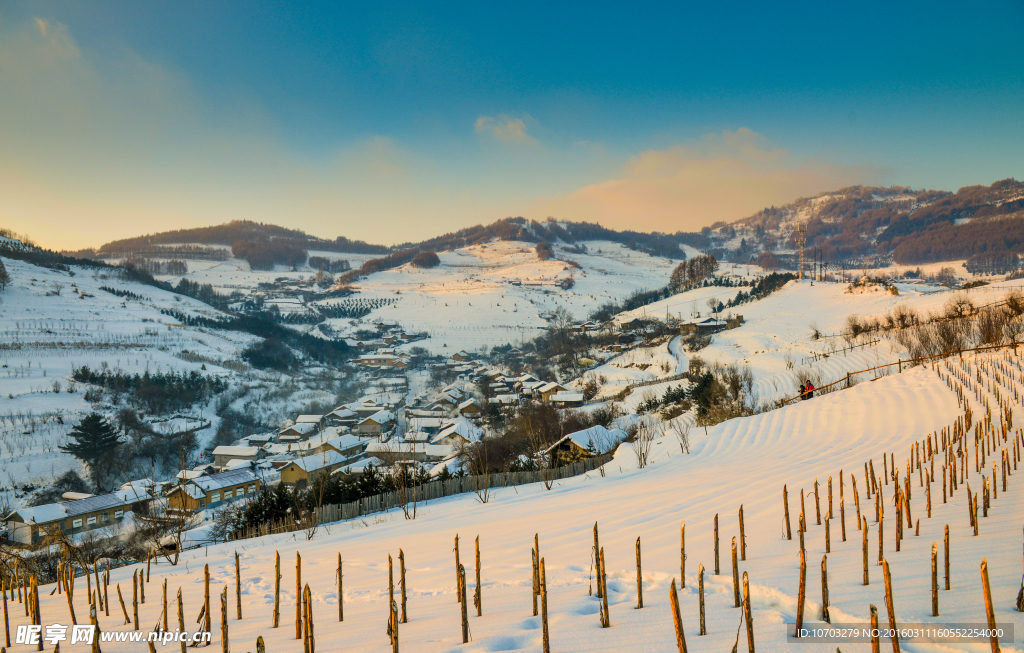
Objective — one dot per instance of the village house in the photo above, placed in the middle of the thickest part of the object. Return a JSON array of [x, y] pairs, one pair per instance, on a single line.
[[583, 444], [29, 525], [408, 451], [376, 424], [702, 326], [567, 399], [299, 430], [469, 408], [210, 491], [301, 471], [224, 453], [548, 389]]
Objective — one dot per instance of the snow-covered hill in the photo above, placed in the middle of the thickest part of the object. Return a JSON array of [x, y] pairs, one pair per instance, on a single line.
[[744, 462]]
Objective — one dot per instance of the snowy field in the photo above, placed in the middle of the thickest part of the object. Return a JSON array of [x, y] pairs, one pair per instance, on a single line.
[[52, 322], [740, 462]]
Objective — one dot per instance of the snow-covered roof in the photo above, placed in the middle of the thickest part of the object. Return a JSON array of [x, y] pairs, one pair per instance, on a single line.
[[302, 429], [399, 448], [595, 438], [236, 452], [469, 402], [224, 479], [461, 428], [261, 438], [308, 419], [567, 396], [317, 461], [549, 386], [380, 417]]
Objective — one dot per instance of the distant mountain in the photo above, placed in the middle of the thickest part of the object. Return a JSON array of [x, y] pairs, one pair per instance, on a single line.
[[234, 232], [984, 224]]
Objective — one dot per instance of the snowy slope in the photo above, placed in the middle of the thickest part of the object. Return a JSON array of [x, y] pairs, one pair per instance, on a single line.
[[470, 300], [744, 461]]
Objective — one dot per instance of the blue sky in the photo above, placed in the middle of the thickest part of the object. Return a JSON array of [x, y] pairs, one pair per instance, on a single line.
[[390, 122]]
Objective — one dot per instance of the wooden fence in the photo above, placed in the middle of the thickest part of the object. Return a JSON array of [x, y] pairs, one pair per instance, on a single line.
[[900, 364], [420, 494]]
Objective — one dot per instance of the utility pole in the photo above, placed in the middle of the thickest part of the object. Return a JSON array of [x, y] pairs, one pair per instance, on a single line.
[[801, 241]]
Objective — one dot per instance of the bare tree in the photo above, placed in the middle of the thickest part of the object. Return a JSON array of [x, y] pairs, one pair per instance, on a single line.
[[474, 457], [681, 429], [391, 457], [647, 432]]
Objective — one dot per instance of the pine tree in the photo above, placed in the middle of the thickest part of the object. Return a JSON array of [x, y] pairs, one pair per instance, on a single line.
[[92, 441], [5, 279]]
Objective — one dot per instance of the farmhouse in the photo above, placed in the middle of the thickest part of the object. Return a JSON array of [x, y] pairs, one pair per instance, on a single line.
[[28, 525], [583, 444], [703, 326], [545, 391], [567, 399], [376, 424], [224, 454], [469, 408], [302, 471], [210, 491], [300, 430]]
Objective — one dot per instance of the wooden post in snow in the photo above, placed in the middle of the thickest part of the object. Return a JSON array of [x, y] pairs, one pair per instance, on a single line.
[[639, 579], [824, 589], [747, 613], [735, 576], [224, 620], [458, 573], [864, 546], [676, 618], [935, 580], [682, 552], [801, 595], [817, 502], [238, 587], [135, 598], [785, 508], [875, 648], [535, 580], [743, 538], [543, 607], [298, 595], [277, 588], [401, 568], [891, 609], [716, 543], [462, 600], [945, 557], [700, 591], [989, 610], [181, 618]]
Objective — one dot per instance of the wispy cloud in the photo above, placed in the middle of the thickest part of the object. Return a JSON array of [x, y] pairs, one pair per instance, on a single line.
[[505, 128], [722, 176]]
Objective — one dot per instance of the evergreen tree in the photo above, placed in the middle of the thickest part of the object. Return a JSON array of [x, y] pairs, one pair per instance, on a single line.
[[92, 441], [5, 279]]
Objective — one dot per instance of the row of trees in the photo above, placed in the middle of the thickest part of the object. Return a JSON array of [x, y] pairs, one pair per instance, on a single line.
[[265, 254], [160, 392], [691, 272], [174, 268]]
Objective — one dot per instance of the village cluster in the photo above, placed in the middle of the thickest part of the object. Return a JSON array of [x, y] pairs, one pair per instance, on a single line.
[[382, 429]]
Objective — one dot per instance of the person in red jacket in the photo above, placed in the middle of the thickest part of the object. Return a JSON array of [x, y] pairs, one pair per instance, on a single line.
[[809, 390]]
